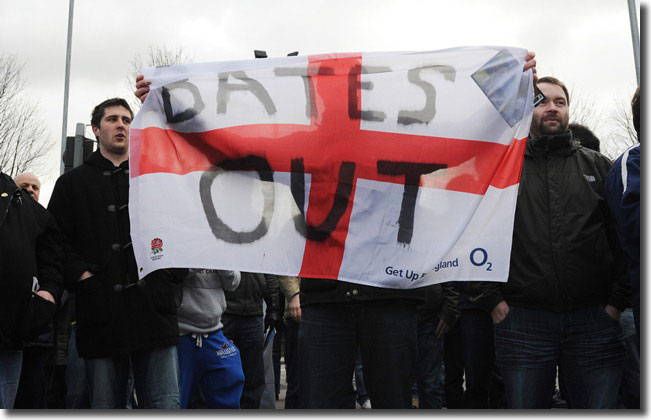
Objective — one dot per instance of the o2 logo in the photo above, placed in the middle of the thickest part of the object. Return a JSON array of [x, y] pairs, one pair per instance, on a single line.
[[479, 257]]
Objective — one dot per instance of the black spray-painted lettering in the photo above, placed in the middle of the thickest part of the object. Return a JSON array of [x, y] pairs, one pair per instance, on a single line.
[[426, 114], [412, 172], [354, 112], [189, 112], [308, 83], [339, 204], [252, 85], [218, 227]]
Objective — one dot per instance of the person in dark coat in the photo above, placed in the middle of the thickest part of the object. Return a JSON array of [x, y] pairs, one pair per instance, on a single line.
[[244, 324], [31, 279], [121, 320], [38, 350], [567, 285]]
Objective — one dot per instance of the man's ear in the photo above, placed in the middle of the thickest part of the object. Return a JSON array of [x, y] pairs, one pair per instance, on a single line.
[[96, 131]]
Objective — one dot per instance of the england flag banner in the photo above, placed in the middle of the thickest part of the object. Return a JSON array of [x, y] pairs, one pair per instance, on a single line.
[[395, 170]]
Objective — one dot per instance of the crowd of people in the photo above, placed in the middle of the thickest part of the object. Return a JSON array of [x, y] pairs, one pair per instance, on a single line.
[[80, 329]]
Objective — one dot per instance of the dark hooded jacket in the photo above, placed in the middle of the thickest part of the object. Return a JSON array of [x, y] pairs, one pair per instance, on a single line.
[[565, 254], [30, 248], [115, 312]]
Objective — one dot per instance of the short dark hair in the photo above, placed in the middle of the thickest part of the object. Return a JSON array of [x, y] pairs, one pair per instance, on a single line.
[[554, 81], [585, 136], [98, 111], [635, 107]]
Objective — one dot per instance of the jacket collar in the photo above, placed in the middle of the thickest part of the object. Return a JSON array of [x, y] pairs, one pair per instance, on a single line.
[[98, 160], [548, 145]]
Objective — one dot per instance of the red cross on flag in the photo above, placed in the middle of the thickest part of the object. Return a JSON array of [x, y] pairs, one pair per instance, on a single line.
[[388, 169]]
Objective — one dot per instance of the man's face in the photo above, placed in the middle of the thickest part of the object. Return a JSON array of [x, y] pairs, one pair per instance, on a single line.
[[113, 130], [552, 115], [29, 182]]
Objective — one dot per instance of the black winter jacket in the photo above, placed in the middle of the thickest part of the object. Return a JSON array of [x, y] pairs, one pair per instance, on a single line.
[[565, 253], [246, 300], [30, 246], [115, 313]]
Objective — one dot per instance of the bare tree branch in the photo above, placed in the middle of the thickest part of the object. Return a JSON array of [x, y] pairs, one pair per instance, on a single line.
[[584, 110], [622, 135], [24, 138]]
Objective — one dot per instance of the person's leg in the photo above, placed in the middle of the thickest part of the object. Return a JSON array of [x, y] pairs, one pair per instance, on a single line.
[[278, 339], [478, 354], [291, 363], [360, 388], [527, 346], [187, 352], [592, 356], [389, 345], [156, 375], [629, 389], [31, 388], [327, 343], [247, 332], [107, 381], [10, 365], [77, 395], [430, 356], [222, 377], [453, 357]]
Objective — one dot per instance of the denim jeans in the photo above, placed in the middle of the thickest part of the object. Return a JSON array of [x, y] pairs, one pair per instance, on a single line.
[[430, 358], [77, 387], [629, 391], [156, 379], [469, 348], [328, 341], [10, 364], [291, 363], [586, 342], [247, 332], [360, 388]]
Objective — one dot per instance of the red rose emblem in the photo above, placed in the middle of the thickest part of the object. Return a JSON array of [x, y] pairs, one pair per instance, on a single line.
[[156, 245]]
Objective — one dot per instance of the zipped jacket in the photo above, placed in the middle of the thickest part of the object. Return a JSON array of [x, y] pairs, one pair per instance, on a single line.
[[565, 254]]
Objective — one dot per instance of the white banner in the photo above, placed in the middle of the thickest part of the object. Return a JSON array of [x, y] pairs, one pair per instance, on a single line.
[[388, 169]]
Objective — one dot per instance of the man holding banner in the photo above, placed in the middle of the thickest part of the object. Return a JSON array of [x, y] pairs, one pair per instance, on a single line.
[[368, 175], [566, 285], [123, 322]]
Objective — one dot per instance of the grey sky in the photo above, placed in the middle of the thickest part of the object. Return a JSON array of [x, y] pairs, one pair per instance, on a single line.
[[585, 43]]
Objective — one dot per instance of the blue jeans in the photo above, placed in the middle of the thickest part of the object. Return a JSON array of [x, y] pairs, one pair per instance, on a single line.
[[156, 379], [587, 343], [214, 363], [430, 358], [629, 391], [77, 387], [328, 341], [247, 332], [10, 364], [360, 388]]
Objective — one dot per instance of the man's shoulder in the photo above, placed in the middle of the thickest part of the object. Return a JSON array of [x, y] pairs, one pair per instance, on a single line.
[[76, 174], [593, 159]]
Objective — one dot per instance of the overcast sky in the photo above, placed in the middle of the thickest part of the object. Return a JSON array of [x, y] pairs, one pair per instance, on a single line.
[[585, 43]]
